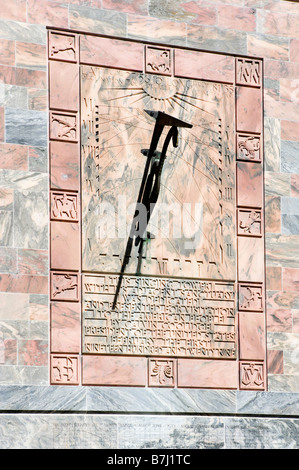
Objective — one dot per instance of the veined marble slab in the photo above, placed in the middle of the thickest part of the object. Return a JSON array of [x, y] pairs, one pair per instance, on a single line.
[[147, 400], [97, 431]]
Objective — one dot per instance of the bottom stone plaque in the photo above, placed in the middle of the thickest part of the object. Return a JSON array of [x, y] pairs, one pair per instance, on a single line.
[[158, 317]]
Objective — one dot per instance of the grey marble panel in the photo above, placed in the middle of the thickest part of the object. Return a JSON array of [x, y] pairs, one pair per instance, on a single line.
[[108, 22], [290, 205], [159, 400], [8, 260], [42, 398], [81, 431], [267, 403], [171, 10], [26, 127], [23, 180], [216, 39], [136, 400], [6, 228], [283, 383], [24, 375], [272, 143], [15, 329], [289, 157], [16, 97], [258, 433], [44, 431], [282, 250], [170, 432], [24, 32], [31, 219], [290, 224], [277, 184], [38, 160]]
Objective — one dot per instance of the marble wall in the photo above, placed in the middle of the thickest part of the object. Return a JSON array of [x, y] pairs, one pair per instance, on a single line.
[[260, 28]]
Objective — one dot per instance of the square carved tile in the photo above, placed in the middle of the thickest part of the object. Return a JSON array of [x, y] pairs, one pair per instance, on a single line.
[[65, 286], [251, 297], [64, 369], [64, 206], [158, 60], [252, 375], [63, 46], [249, 147], [250, 222], [162, 373], [63, 126], [248, 72]]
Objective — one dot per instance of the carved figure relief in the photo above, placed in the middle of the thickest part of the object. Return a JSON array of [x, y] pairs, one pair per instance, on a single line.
[[63, 126], [248, 72], [158, 60], [64, 369], [249, 222], [162, 373], [248, 147], [250, 298], [64, 286], [252, 376], [64, 206], [62, 47]]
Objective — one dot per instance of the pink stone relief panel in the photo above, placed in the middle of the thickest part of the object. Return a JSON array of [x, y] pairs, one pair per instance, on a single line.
[[240, 77], [65, 262]]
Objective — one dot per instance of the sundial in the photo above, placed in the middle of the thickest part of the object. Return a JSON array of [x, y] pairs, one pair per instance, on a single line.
[[158, 238]]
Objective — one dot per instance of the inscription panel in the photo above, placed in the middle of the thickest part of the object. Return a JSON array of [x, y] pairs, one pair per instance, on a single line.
[[159, 317]]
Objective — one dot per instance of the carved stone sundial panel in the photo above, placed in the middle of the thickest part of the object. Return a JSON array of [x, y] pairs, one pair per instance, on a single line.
[[193, 223], [192, 226], [182, 302]]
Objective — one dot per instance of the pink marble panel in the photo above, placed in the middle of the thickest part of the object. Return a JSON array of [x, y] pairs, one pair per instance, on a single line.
[[64, 163], [162, 372], [114, 370], [65, 286], [29, 284], [249, 147], [251, 259], [250, 222], [33, 352], [251, 297], [64, 206], [252, 375], [63, 46], [65, 369], [201, 373], [64, 86], [251, 336], [65, 327], [204, 66], [158, 60], [64, 126], [65, 246], [279, 319], [111, 53], [249, 184], [275, 362], [249, 109], [248, 72]]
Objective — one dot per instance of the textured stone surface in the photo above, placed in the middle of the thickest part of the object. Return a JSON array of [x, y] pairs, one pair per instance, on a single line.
[[89, 431], [31, 225], [26, 127], [22, 55]]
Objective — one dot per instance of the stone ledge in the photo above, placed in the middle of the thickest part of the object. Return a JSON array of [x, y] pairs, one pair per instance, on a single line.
[[144, 400]]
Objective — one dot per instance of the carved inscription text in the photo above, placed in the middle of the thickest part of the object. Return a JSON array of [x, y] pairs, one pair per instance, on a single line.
[[159, 317]]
